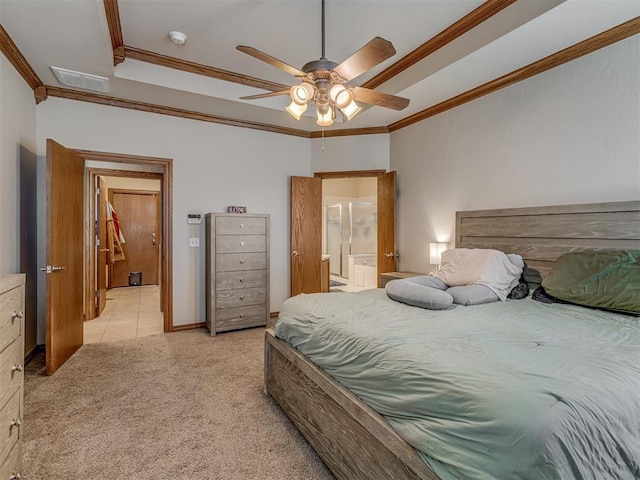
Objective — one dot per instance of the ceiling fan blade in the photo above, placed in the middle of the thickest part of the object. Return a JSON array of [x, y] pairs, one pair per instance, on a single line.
[[271, 60], [265, 95], [367, 95], [370, 55]]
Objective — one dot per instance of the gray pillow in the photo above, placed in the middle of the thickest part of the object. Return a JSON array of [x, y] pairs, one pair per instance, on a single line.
[[471, 294], [428, 281], [417, 295]]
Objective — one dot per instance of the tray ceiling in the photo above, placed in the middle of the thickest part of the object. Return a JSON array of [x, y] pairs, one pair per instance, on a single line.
[[75, 35]]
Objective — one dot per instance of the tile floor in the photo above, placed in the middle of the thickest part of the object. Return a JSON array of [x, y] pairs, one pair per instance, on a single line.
[[130, 312]]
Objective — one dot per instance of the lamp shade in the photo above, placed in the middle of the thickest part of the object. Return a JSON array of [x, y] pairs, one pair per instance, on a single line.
[[435, 253], [350, 110], [324, 119], [296, 110], [302, 93]]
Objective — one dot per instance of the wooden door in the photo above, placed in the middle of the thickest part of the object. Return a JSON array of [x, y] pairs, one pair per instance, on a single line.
[[101, 245], [138, 214], [65, 269], [306, 234], [387, 248]]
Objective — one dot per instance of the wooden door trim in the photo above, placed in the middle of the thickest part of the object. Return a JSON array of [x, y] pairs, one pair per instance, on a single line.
[[350, 174], [131, 191], [166, 192]]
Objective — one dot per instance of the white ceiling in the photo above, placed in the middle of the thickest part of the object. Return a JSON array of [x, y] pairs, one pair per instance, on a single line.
[[73, 34]]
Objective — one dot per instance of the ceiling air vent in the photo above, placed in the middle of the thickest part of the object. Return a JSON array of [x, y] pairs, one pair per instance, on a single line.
[[82, 80]]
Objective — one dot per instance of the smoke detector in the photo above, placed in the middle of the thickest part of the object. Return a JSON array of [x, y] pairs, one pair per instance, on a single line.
[[177, 37]]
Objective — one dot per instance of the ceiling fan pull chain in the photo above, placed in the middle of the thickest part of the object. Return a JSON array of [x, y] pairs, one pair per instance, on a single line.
[[322, 149]]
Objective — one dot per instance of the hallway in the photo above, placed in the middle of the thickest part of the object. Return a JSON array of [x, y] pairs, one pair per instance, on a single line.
[[130, 312]]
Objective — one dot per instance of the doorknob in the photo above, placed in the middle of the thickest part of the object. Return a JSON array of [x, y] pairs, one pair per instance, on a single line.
[[50, 269], [390, 255]]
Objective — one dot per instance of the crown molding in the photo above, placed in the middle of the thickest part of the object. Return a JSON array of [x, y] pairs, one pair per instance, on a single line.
[[41, 92], [604, 39], [100, 99], [15, 57], [115, 30], [349, 131], [200, 69], [481, 14]]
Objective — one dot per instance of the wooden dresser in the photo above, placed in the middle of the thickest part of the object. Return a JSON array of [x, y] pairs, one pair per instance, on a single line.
[[237, 252], [11, 374]]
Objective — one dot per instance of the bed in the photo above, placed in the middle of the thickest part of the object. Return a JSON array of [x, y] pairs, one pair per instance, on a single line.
[[357, 442]]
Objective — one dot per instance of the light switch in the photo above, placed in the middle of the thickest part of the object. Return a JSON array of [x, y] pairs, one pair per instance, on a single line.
[[194, 242]]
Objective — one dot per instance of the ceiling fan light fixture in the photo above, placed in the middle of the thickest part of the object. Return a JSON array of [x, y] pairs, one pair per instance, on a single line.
[[296, 110], [350, 110], [303, 93], [325, 119], [340, 95]]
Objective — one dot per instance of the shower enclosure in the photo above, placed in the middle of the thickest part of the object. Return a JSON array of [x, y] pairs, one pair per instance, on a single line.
[[351, 232]]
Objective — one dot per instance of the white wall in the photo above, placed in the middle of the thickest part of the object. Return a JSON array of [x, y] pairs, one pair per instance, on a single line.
[[17, 129], [569, 135], [365, 152], [213, 166]]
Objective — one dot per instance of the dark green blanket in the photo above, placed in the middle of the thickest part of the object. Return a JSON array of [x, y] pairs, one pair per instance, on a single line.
[[609, 280]]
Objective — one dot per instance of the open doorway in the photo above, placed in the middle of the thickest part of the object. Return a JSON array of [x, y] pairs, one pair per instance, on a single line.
[[309, 272], [127, 261], [350, 232], [127, 278]]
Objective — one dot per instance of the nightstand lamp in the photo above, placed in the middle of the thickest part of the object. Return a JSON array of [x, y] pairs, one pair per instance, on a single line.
[[435, 253]]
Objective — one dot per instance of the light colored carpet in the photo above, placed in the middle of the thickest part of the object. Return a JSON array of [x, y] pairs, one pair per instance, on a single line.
[[174, 406]]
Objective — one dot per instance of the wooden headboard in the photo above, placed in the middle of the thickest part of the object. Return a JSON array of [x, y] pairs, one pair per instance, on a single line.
[[541, 234]]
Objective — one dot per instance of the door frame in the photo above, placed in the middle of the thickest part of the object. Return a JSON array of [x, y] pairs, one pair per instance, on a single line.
[[166, 235], [360, 174]]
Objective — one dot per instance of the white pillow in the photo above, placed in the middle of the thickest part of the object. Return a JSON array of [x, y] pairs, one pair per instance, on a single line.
[[477, 266]]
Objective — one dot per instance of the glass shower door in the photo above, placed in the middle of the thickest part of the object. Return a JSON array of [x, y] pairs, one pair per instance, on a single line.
[[334, 238]]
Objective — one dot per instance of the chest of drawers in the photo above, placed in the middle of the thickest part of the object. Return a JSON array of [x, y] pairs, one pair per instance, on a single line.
[[11, 374], [237, 277]]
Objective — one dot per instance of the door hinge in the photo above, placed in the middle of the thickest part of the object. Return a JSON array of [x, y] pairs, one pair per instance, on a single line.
[[97, 294], [97, 191], [97, 242]]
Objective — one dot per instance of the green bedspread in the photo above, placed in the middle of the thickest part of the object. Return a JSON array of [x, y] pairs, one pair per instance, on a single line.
[[505, 390]]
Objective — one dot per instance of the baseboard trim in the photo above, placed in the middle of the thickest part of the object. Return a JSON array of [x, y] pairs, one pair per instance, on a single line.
[[188, 326], [192, 326], [34, 351]]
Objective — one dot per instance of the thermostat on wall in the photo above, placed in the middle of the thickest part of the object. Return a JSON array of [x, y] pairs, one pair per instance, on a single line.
[[194, 218]]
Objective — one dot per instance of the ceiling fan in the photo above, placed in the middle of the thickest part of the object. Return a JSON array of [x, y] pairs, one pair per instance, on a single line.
[[324, 83]]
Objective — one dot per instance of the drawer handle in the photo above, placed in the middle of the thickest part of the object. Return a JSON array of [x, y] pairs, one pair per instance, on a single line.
[[14, 423], [15, 314], [242, 244], [16, 368], [242, 225], [241, 297], [15, 476], [242, 315], [242, 261], [241, 280]]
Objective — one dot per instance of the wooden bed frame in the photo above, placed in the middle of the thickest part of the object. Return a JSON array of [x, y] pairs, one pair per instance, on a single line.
[[352, 439]]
